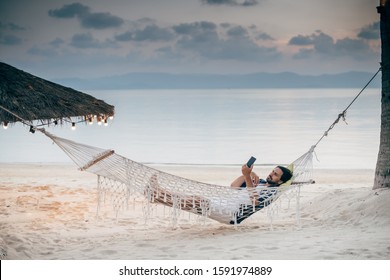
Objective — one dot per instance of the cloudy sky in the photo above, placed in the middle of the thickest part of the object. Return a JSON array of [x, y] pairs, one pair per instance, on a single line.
[[95, 38]]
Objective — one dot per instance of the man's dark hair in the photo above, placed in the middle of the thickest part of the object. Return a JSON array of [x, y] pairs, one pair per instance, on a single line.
[[287, 174]]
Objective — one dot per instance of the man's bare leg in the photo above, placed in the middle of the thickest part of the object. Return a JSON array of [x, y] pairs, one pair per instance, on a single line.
[[166, 197]]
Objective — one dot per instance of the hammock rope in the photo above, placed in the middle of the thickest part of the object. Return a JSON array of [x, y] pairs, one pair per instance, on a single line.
[[122, 178], [344, 113]]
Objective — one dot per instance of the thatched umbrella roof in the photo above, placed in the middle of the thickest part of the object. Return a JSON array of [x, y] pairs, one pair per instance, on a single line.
[[33, 98]]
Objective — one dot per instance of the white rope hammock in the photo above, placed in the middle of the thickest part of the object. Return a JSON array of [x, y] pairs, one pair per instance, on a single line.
[[221, 203]]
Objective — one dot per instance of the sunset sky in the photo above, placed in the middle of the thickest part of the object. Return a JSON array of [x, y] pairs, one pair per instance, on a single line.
[[95, 38]]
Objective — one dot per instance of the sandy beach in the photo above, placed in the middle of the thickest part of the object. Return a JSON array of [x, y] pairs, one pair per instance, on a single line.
[[48, 211]]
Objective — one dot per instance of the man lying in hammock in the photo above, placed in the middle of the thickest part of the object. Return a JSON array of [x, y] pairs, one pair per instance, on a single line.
[[249, 179], [248, 195]]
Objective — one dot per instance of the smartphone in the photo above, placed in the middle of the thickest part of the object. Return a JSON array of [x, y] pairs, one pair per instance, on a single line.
[[251, 161]]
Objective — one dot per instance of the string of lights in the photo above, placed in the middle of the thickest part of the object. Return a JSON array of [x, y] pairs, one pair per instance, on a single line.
[[90, 119]]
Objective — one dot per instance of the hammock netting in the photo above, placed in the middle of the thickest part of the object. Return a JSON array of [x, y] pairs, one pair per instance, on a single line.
[[122, 178]]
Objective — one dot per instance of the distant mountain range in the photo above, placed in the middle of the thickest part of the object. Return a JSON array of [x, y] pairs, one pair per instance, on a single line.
[[214, 81]]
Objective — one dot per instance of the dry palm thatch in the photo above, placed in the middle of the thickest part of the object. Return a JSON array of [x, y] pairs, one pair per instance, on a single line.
[[36, 99]]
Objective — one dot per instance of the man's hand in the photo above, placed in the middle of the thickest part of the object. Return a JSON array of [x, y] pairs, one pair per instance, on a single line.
[[255, 178], [246, 171], [251, 180]]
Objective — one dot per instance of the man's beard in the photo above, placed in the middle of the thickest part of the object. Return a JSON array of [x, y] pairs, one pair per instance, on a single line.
[[269, 181]]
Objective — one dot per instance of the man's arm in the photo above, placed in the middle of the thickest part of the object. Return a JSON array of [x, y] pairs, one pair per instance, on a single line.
[[246, 172], [240, 180]]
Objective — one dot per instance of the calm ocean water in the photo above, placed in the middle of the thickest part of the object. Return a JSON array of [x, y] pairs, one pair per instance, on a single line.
[[220, 127]]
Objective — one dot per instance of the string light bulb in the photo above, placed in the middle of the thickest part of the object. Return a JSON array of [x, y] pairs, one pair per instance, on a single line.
[[105, 122], [73, 126], [32, 129], [5, 125], [99, 119]]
